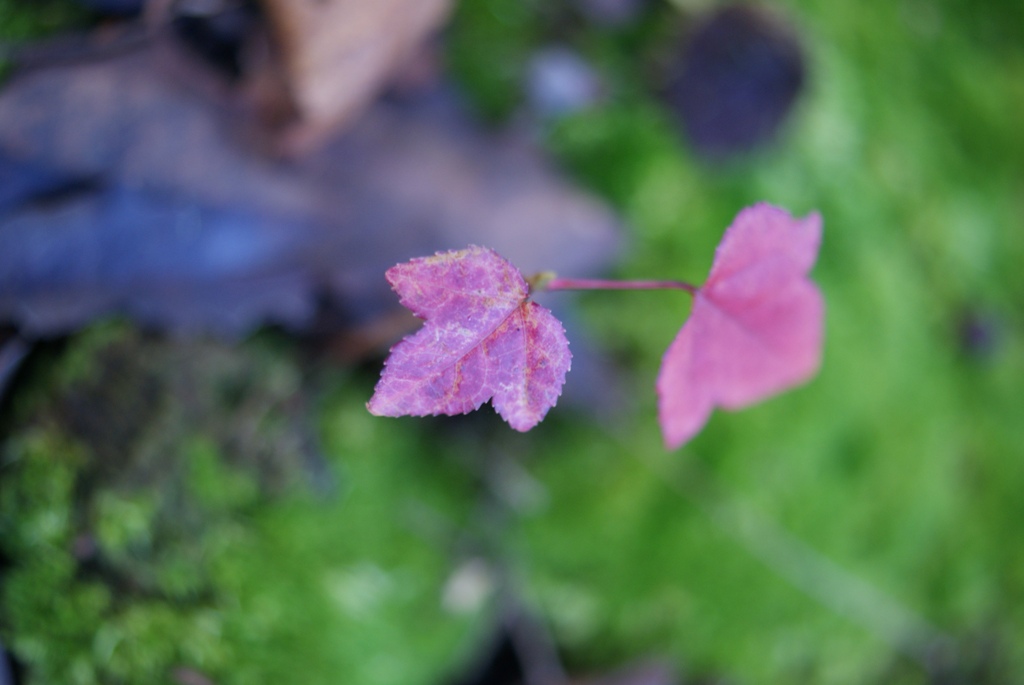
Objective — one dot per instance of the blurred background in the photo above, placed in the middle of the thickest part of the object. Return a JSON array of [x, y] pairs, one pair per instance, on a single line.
[[198, 200]]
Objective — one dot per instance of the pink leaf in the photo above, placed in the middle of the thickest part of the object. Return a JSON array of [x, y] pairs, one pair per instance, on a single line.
[[756, 325], [483, 340]]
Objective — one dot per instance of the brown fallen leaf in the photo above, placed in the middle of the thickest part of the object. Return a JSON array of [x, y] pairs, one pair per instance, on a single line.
[[337, 56]]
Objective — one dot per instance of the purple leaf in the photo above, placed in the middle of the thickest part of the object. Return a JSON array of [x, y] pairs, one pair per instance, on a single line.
[[483, 340], [756, 325]]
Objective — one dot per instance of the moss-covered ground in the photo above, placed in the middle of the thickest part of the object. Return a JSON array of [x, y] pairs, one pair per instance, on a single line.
[[165, 508], [162, 511]]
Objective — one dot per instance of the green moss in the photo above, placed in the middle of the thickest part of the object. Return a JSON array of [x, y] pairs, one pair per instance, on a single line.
[[208, 537], [491, 56]]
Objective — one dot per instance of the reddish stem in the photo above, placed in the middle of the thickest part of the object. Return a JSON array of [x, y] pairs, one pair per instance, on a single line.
[[601, 284]]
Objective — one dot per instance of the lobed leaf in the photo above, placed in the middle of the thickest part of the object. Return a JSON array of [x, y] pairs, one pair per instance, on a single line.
[[483, 340], [756, 327]]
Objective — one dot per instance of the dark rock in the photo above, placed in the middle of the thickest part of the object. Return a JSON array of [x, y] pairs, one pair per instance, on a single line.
[[741, 72]]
